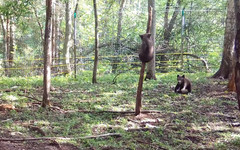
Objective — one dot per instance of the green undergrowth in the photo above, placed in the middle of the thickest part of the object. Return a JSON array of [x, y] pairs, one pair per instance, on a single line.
[[194, 121]]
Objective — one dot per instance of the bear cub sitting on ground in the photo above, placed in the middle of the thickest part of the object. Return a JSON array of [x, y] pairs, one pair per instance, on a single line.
[[183, 86]]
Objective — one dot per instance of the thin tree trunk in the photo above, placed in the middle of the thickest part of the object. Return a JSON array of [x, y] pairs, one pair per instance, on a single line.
[[118, 45], [166, 15], [53, 33], [168, 30], [75, 43], [39, 24], [66, 49], [57, 31], [151, 64], [94, 79], [4, 44], [7, 44], [47, 55], [226, 66], [168, 27], [11, 46], [139, 90]]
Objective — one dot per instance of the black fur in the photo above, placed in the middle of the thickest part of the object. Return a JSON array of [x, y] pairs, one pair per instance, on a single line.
[[180, 85], [146, 51]]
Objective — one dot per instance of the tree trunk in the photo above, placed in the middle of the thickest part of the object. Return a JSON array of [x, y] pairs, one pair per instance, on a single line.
[[168, 27], [94, 79], [11, 46], [226, 66], [66, 49], [237, 50], [151, 65], [39, 23], [57, 31], [4, 44], [7, 45], [47, 55], [53, 33], [118, 45], [75, 43]]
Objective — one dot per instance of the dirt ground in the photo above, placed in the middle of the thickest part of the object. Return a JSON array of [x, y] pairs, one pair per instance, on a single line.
[[215, 89]]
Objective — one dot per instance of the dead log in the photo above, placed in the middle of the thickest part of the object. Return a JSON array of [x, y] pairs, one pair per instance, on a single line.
[[61, 138]]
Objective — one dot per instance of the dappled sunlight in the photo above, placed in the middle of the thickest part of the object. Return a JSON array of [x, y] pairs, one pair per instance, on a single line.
[[78, 110], [11, 98]]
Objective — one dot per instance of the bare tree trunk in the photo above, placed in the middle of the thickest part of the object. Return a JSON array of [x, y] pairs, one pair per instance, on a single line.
[[5, 57], [7, 44], [151, 64], [75, 42], [39, 23], [53, 33], [118, 45], [168, 27], [168, 30], [47, 55], [94, 79], [66, 49], [227, 57], [57, 31], [11, 46]]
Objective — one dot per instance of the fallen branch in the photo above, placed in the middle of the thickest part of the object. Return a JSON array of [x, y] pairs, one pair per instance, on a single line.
[[61, 138], [33, 98], [117, 112], [142, 129]]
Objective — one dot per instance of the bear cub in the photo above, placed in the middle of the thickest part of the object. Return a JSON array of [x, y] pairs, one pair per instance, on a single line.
[[183, 86], [146, 51]]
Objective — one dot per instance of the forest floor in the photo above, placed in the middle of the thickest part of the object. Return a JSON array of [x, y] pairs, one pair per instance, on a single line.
[[86, 116]]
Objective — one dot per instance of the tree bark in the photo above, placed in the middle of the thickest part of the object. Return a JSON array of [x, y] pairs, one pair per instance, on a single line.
[[66, 49], [118, 45], [4, 44], [53, 32], [75, 43], [139, 90], [47, 55], [168, 27], [7, 45], [94, 78], [57, 31], [151, 65], [237, 50], [11, 45], [39, 24], [226, 66]]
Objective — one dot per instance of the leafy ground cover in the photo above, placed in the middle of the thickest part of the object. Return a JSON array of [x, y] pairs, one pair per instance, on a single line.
[[208, 118]]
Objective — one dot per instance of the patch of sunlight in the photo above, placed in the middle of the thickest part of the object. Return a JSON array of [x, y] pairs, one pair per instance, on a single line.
[[11, 98], [119, 108], [228, 137], [218, 126], [111, 93], [235, 135], [212, 126], [42, 122], [98, 107]]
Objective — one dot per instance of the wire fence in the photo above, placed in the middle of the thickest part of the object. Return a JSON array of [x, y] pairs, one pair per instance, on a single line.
[[32, 67]]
